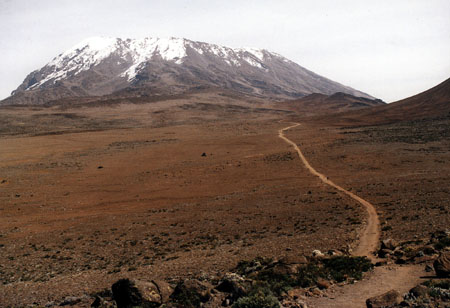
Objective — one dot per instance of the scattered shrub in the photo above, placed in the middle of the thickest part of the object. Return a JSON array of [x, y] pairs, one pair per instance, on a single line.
[[342, 267], [442, 243], [259, 299], [308, 275]]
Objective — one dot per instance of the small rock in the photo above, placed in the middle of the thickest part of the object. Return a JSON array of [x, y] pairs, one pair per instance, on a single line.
[[381, 263], [442, 265], [420, 254], [387, 299], [203, 154], [317, 254], [100, 167], [401, 260], [296, 293], [333, 252], [323, 284], [288, 303], [423, 259], [294, 260], [71, 300], [384, 253], [428, 268], [429, 250], [285, 269]]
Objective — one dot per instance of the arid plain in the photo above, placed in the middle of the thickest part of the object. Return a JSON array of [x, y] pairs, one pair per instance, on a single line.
[[188, 186]]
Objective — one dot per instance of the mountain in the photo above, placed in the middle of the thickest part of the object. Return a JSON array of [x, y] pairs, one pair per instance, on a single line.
[[102, 66], [317, 103], [433, 103]]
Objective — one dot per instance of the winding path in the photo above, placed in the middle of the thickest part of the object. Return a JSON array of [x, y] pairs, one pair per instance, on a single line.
[[370, 236], [383, 278]]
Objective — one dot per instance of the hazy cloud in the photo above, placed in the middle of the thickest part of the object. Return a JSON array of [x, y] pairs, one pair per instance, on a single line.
[[389, 49]]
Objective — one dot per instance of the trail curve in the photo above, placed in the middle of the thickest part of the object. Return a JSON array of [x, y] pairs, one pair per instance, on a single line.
[[369, 238]]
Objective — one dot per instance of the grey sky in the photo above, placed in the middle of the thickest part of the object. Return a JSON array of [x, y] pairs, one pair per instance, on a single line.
[[389, 49]]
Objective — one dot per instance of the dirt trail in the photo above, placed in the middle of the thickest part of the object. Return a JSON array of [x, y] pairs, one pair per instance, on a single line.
[[370, 236], [382, 279]]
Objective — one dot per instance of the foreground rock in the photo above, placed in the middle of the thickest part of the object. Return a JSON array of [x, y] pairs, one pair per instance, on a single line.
[[442, 265], [387, 299], [130, 293], [191, 293]]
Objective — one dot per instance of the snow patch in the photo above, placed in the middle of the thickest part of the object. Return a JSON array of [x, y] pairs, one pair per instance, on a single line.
[[136, 52]]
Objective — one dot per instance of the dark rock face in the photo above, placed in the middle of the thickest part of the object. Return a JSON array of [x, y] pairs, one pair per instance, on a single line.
[[387, 299], [104, 66], [131, 293], [442, 265], [191, 293], [419, 291]]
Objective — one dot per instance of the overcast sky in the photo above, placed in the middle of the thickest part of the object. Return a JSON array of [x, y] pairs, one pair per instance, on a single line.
[[389, 49]]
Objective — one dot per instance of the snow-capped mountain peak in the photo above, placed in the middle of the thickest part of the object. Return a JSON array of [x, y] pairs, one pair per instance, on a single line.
[[103, 65], [92, 51]]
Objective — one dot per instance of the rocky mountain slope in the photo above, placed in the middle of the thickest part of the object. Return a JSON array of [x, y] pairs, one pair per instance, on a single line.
[[101, 66], [317, 103], [430, 104]]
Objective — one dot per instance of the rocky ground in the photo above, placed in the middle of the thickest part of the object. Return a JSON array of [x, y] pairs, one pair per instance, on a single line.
[[91, 195]]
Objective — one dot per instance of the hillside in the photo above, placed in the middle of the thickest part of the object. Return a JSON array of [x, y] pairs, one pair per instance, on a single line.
[[432, 103]]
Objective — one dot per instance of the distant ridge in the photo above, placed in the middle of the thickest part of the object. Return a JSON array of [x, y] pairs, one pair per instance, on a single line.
[[103, 66], [317, 103], [432, 103]]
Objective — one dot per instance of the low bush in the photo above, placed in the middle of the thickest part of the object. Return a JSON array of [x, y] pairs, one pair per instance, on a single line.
[[258, 299]]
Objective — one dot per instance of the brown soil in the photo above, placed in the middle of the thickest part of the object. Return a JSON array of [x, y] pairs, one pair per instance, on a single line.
[[82, 209], [92, 194]]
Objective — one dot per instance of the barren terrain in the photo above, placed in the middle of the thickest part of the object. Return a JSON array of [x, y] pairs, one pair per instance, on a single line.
[[188, 187]]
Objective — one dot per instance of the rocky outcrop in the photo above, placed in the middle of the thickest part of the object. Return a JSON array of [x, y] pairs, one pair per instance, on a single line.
[[442, 265], [131, 293], [387, 299]]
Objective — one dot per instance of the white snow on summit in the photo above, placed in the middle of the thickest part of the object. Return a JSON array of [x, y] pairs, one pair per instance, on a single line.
[[93, 51]]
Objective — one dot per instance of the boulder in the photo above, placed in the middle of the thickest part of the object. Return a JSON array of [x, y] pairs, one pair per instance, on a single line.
[[388, 244], [165, 290], [387, 299], [233, 284], [419, 291], [130, 293], [442, 265], [191, 293]]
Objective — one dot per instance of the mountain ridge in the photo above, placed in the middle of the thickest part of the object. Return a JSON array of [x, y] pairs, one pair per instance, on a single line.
[[102, 66]]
